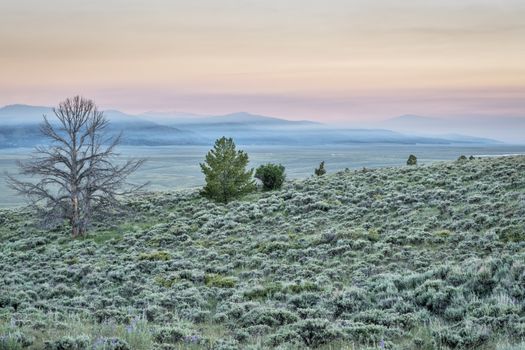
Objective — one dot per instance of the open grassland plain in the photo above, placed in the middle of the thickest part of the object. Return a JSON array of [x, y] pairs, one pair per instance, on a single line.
[[177, 167], [420, 257]]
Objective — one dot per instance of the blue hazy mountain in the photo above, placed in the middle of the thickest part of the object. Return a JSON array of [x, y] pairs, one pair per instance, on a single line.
[[19, 127], [249, 128], [235, 120], [23, 114], [281, 131], [506, 128]]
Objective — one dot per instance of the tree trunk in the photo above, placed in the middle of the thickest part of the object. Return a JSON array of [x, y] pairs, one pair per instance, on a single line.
[[75, 217]]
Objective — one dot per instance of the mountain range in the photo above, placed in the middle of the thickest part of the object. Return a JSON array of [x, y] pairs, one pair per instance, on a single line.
[[509, 129], [19, 127]]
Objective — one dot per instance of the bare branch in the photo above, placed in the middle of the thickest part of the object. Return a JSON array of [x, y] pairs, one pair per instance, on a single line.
[[79, 178]]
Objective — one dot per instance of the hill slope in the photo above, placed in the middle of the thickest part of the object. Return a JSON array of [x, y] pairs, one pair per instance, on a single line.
[[400, 258]]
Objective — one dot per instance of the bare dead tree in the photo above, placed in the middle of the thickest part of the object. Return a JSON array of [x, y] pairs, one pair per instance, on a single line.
[[78, 178]]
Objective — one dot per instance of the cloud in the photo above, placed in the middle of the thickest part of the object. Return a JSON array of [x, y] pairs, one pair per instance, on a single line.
[[454, 32]]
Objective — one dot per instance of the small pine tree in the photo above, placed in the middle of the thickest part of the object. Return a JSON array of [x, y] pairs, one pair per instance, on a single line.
[[272, 176], [412, 160], [321, 170], [462, 158], [225, 172]]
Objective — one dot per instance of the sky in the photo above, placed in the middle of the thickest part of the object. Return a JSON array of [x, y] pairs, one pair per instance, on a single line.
[[330, 60]]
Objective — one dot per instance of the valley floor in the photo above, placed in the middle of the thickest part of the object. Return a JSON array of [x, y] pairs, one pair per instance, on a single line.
[[424, 257]]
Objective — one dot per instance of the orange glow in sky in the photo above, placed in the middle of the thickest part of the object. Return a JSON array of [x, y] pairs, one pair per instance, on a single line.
[[332, 60]]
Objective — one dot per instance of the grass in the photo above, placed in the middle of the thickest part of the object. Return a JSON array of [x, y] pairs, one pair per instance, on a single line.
[[426, 257]]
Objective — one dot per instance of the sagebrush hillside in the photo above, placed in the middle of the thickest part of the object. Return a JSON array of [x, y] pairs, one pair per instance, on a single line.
[[422, 257]]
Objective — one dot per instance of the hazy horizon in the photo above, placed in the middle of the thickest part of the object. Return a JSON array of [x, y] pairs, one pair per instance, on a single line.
[[507, 129]]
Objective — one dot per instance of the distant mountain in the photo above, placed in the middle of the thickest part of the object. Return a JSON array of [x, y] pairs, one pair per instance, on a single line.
[[238, 119], [19, 127], [389, 136], [246, 128], [167, 118], [253, 119], [23, 114], [479, 128], [459, 138]]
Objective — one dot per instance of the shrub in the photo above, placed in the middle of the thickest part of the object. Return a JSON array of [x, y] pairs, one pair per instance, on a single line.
[[14, 341], [265, 291], [360, 332], [320, 171], [68, 343], [443, 233], [225, 344], [272, 176], [466, 336], [225, 172], [268, 316], [111, 344], [412, 160], [312, 332], [434, 294], [169, 335], [508, 346], [213, 280], [432, 254], [166, 282], [512, 233], [350, 301], [155, 256], [307, 286]]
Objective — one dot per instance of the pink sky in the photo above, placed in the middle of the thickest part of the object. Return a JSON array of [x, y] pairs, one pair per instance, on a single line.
[[334, 60]]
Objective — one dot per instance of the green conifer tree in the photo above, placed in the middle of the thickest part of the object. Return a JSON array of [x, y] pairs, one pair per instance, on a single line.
[[225, 172], [321, 170]]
